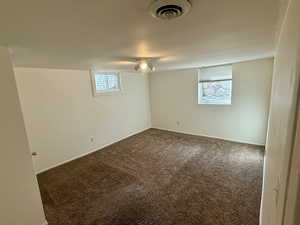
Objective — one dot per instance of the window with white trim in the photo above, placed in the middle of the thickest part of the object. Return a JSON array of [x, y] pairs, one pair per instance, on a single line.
[[105, 82], [215, 85]]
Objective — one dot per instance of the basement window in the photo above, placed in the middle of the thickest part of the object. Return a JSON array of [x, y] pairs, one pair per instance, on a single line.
[[215, 85], [105, 82]]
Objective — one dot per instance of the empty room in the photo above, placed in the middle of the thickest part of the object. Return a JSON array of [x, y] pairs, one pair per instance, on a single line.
[[150, 112]]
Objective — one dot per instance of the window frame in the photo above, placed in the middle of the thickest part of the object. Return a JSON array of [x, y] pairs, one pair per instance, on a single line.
[[107, 91], [215, 80]]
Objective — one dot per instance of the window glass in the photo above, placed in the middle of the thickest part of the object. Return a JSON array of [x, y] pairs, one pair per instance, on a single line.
[[106, 82], [215, 85], [215, 92]]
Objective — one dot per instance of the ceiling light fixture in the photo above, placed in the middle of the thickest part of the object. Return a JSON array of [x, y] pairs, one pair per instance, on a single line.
[[144, 67]]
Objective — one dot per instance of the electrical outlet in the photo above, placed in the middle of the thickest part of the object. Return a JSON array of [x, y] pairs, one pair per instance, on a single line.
[[177, 123], [92, 139]]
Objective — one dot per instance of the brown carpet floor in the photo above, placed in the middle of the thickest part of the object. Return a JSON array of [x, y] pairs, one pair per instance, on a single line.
[[157, 178]]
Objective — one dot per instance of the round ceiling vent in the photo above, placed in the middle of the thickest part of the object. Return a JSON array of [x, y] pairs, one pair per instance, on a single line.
[[169, 9]]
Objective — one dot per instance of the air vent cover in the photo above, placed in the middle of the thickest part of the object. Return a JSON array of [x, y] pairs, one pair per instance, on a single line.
[[169, 9]]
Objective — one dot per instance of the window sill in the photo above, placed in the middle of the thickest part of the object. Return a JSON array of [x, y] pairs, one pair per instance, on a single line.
[[213, 104], [108, 92]]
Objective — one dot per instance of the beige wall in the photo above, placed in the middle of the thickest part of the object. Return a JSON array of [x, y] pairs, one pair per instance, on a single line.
[[292, 215], [20, 202], [61, 115], [174, 103], [282, 118]]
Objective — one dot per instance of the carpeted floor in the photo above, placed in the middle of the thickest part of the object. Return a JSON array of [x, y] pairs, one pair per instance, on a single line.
[[157, 178]]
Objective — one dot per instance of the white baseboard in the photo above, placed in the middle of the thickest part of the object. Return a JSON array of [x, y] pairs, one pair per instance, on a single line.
[[134, 133], [91, 151], [204, 135]]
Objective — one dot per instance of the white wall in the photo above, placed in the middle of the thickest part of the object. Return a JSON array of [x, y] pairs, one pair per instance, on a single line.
[[282, 118], [20, 201], [174, 99], [61, 115]]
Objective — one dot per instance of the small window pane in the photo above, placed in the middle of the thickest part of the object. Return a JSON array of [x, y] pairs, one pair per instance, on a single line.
[[215, 92], [106, 82]]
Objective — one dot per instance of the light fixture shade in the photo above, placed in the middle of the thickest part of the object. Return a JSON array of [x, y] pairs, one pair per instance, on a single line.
[[144, 67]]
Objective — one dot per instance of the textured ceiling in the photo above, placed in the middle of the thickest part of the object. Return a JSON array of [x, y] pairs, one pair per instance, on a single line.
[[105, 34]]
